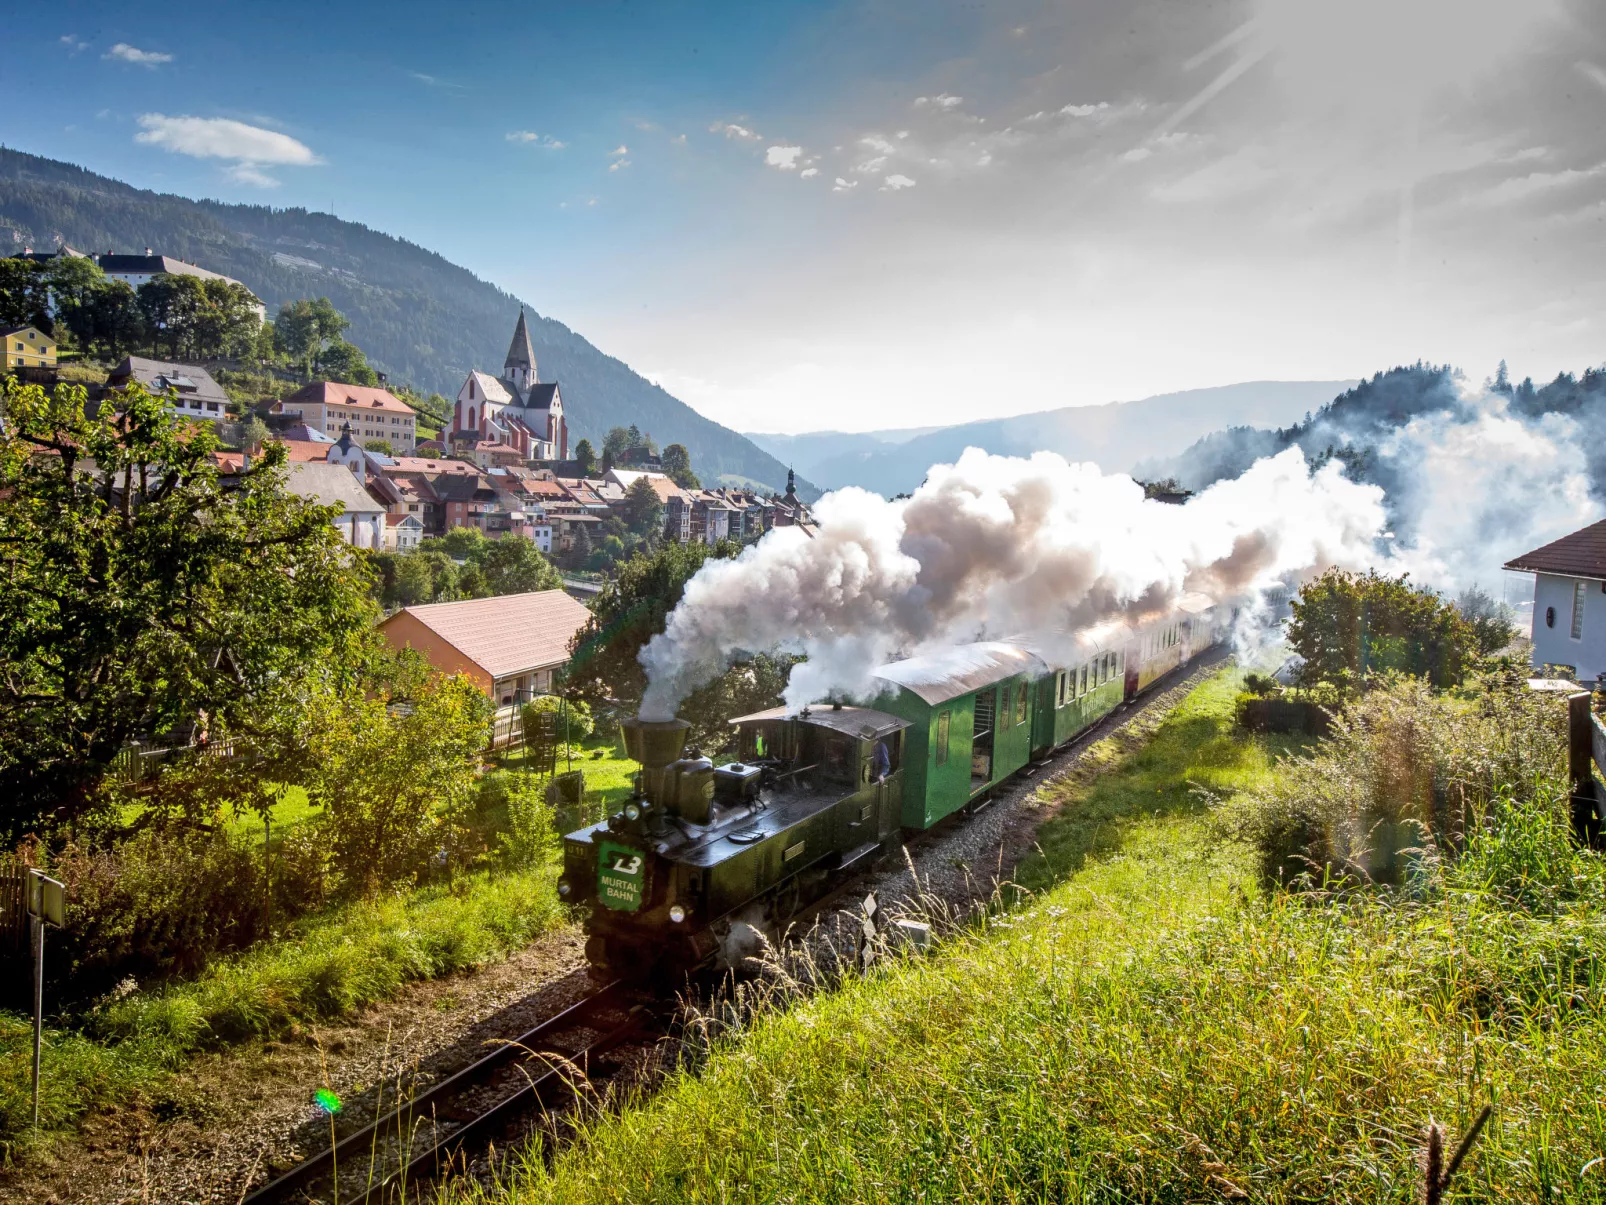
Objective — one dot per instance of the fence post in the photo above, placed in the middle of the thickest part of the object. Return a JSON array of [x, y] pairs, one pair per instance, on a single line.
[[1581, 769]]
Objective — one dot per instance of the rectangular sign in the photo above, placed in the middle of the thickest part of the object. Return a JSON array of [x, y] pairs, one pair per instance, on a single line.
[[621, 877], [47, 898]]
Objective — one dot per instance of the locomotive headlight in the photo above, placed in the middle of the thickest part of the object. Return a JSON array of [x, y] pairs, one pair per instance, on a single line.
[[677, 913], [564, 890], [632, 812]]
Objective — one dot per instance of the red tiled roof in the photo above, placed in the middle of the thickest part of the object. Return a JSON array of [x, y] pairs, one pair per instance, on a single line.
[[420, 464], [1582, 554], [510, 634], [333, 393], [299, 450]]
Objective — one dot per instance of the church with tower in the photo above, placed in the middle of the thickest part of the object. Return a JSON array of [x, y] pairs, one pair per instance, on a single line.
[[514, 410]]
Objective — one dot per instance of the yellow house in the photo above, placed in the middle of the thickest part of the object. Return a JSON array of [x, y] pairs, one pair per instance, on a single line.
[[28, 347]]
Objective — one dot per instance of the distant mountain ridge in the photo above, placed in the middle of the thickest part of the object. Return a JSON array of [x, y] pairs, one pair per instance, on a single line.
[[419, 317], [1116, 435]]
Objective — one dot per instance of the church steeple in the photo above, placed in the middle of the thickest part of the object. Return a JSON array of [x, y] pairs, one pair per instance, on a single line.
[[520, 365]]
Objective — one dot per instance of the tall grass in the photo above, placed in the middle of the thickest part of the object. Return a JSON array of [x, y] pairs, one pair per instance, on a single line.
[[1157, 1026], [324, 967]]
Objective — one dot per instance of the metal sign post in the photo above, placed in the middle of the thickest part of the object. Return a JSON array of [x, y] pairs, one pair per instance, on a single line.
[[47, 904]]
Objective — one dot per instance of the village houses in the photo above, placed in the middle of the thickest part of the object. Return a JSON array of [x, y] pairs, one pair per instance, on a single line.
[[1569, 618]]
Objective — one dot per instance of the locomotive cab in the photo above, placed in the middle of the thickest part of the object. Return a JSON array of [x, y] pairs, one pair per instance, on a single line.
[[705, 856]]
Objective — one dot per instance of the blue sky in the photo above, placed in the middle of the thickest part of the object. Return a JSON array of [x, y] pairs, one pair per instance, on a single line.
[[872, 214]]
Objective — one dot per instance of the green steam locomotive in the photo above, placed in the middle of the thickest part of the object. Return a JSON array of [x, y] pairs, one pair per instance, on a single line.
[[705, 861]]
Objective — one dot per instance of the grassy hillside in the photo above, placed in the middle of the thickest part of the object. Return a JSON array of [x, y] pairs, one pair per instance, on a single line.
[[421, 319], [1155, 1026]]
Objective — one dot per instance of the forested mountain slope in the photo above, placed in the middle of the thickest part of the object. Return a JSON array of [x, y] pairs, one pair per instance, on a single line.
[[421, 319]]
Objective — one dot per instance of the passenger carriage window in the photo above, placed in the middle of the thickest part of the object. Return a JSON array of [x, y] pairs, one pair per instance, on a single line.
[[1020, 704], [942, 738]]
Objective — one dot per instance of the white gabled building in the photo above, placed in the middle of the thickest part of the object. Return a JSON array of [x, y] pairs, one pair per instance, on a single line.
[[514, 410], [1569, 624]]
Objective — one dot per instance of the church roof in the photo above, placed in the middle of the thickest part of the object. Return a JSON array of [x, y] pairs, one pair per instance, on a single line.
[[492, 389], [540, 397], [519, 353]]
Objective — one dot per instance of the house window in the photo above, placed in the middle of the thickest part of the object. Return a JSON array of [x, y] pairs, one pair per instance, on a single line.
[[942, 737], [1578, 610]]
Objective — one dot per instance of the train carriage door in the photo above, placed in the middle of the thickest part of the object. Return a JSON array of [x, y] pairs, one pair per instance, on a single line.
[[981, 746]]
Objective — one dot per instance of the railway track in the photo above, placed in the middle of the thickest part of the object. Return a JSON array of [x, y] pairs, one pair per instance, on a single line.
[[445, 1125]]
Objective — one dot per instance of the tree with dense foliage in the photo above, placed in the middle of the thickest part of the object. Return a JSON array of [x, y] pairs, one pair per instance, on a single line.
[[677, 463], [147, 596], [1351, 629], [1493, 623], [75, 283], [303, 328], [344, 362], [395, 783], [173, 306], [119, 322], [24, 295], [585, 457], [641, 510], [630, 611], [510, 564], [382, 446]]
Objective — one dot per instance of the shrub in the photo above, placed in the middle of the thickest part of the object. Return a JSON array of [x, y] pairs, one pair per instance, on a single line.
[[1406, 769], [531, 836], [577, 714], [1352, 630]]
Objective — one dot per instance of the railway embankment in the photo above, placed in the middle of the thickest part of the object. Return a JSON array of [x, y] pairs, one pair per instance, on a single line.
[[1159, 1021]]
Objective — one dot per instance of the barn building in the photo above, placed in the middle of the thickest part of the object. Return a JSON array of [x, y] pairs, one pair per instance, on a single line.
[[509, 646]]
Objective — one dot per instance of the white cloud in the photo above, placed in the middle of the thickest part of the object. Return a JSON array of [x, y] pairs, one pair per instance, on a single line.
[[783, 157], [1086, 110], [871, 166], [731, 130], [250, 173], [222, 138], [1136, 155], [545, 141], [647, 127], [618, 165], [807, 172], [842, 185], [941, 101], [621, 149], [895, 182], [125, 53], [877, 143], [679, 140], [72, 42], [1516, 189]]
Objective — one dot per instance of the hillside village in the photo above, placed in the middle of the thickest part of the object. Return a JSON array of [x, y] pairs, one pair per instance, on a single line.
[[502, 464]]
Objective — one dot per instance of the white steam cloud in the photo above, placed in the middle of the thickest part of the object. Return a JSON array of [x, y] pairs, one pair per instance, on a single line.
[[995, 547]]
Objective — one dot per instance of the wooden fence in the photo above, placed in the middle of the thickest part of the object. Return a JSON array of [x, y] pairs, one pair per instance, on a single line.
[[507, 731], [1586, 749], [135, 764]]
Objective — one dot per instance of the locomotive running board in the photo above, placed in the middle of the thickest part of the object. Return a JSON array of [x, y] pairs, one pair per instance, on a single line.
[[864, 853]]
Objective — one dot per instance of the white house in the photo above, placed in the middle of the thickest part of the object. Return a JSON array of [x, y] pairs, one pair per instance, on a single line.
[[402, 532], [1569, 624], [361, 521]]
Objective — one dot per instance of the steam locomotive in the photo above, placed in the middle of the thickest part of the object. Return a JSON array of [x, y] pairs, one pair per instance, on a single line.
[[705, 858]]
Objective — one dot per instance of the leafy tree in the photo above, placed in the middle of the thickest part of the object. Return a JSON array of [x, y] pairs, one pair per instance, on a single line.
[[1352, 628], [586, 457], [617, 442], [341, 361], [677, 463], [1493, 623], [630, 611], [227, 324], [253, 434], [514, 565], [173, 307], [396, 785], [119, 320], [75, 283], [462, 543], [304, 327], [643, 513], [382, 446], [263, 348], [24, 295], [147, 596]]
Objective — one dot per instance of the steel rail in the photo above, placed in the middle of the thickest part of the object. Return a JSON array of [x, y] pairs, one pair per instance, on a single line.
[[362, 1140]]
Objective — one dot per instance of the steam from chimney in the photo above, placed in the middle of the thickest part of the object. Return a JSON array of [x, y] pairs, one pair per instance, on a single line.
[[995, 547]]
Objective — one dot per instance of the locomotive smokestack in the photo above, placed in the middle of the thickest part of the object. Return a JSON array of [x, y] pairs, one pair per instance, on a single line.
[[654, 743]]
